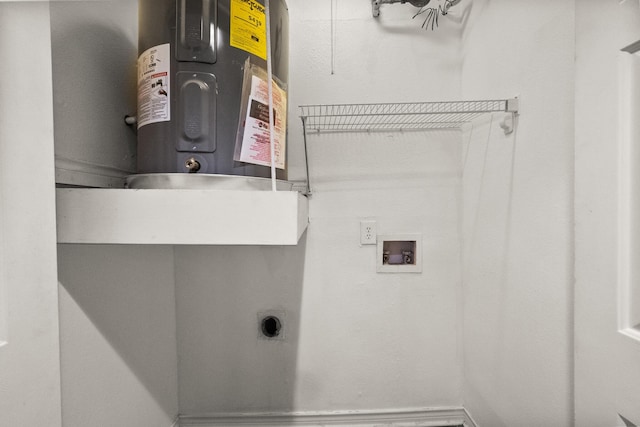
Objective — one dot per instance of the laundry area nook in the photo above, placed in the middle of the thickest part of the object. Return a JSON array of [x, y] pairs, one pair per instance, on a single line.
[[349, 213]]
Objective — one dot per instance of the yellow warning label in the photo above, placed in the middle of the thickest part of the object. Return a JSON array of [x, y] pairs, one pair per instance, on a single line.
[[248, 27]]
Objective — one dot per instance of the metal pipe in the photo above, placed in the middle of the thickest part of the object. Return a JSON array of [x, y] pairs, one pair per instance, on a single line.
[[375, 4], [130, 120]]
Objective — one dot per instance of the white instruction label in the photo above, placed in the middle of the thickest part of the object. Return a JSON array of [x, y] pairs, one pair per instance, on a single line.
[[256, 146], [154, 97]]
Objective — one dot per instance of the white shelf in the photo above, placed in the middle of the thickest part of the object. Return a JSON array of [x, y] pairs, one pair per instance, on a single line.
[[399, 116], [180, 217]]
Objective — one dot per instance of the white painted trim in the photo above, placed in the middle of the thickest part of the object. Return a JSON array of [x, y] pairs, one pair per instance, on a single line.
[[624, 172], [469, 421], [422, 417], [627, 229]]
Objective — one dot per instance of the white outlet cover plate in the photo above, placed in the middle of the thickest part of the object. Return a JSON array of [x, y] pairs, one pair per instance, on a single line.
[[364, 238]]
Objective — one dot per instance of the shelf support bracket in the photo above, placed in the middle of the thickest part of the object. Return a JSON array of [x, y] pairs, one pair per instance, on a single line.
[[306, 155], [375, 8], [509, 121]]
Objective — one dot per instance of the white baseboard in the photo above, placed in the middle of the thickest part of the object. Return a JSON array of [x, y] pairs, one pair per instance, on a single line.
[[420, 417], [471, 422]]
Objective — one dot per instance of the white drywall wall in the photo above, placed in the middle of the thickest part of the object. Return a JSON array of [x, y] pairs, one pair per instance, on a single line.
[[366, 60], [357, 339], [517, 200], [224, 365], [29, 358], [117, 335], [117, 304]]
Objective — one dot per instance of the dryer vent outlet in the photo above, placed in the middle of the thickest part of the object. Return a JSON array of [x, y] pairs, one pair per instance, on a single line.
[[271, 325]]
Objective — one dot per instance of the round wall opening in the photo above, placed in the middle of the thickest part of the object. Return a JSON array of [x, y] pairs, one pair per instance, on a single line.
[[271, 326]]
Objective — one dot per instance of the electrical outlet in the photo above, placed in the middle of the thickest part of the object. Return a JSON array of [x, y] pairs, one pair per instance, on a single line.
[[368, 233]]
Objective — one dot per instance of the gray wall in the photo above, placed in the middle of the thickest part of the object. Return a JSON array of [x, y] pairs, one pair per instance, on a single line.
[[117, 335], [94, 53]]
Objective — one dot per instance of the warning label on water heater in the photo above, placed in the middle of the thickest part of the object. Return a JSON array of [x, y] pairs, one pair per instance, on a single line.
[[153, 85], [248, 27], [256, 138]]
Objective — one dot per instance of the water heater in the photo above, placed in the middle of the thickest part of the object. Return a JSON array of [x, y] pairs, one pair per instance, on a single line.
[[201, 86]]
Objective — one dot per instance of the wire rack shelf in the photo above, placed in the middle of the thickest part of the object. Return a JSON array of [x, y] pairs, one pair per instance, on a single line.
[[399, 116]]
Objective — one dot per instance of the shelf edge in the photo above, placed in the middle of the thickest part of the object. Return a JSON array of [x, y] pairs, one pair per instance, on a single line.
[[180, 217]]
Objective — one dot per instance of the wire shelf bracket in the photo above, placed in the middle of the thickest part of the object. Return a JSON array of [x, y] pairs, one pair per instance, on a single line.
[[400, 117]]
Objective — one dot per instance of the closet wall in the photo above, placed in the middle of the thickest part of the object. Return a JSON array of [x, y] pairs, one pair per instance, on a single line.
[[518, 216], [354, 338]]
